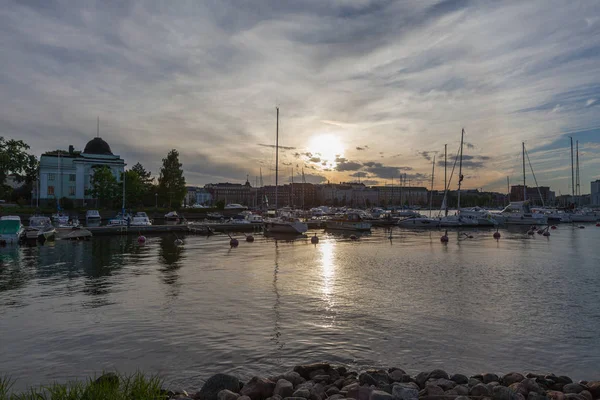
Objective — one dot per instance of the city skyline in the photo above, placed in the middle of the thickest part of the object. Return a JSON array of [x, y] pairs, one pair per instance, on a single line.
[[366, 89]]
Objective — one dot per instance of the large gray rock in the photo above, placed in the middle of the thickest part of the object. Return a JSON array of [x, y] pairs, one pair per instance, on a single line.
[[474, 382], [211, 388], [366, 379], [512, 377], [380, 395], [574, 396], [445, 384], [480, 390], [318, 392], [489, 377], [360, 393], [305, 370], [459, 379], [421, 378], [594, 388], [438, 374], [258, 388], [432, 390], [404, 393], [227, 395], [331, 391], [108, 379], [294, 377], [573, 388], [555, 395], [399, 375], [336, 397], [304, 393], [321, 378], [284, 388], [586, 394], [503, 393], [462, 390], [536, 396], [379, 375]]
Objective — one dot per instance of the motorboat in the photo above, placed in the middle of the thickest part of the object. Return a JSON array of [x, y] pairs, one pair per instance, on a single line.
[[255, 219], [458, 220], [72, 223], [11, 229], [352, 221], [519, 213], [234, 206], [214, 216], [483, 216], [419, 221], [39, 221], [40, 228], [285, 225], [60, 218], [585, 215], [92, 216], [172, 216], [120, 220], [141, 219]]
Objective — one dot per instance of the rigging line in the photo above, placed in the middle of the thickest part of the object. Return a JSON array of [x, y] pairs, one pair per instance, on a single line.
[[449, 181], [534, 178]]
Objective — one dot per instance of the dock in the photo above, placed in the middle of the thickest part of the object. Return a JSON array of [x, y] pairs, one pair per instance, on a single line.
[[198, 228]]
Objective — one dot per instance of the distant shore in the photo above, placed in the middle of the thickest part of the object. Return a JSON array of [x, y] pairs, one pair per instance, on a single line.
[[325, 381]]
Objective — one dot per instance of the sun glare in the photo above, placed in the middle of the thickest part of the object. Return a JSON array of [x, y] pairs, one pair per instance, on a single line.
[[327, 148]]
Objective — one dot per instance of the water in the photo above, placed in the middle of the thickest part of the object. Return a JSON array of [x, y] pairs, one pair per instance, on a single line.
[[69, 310]]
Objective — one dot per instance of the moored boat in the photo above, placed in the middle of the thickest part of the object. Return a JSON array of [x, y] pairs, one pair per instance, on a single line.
[[92, 216], [419, 221], [141, 219], [11, 229], [519, 213], [348, 222]]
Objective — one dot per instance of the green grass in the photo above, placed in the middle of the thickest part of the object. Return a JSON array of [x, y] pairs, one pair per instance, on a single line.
[[120, 387]]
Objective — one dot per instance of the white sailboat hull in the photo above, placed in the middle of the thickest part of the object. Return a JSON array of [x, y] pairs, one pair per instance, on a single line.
[[526, 220], [286, 227], [348, 226], [419, 222]]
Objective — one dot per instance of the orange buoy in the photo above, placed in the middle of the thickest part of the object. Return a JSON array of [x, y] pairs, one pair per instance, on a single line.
[[553, 227], [598, 224], [234, 242], [497, 235], [141, 239], [314, 239], [444, 238], [249, 238]]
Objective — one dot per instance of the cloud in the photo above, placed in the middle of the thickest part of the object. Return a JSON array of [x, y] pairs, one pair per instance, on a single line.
[[360, 148], [425, 155], [347, 166], [280, 147], [469, 145], [590, 102], [359, 174], [315, 159], [370, 182]]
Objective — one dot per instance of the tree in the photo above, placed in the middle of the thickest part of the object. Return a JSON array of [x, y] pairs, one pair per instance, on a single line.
[[135, 188], [171, 183], [145, 176], [104, 186], [14, 159]]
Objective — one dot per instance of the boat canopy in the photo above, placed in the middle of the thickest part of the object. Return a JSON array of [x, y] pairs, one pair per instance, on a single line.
[[9, 226]]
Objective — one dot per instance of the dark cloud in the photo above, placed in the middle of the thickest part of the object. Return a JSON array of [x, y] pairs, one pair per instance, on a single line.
[[359, 174], [469, 161], [370, 182], [348, 166], [469, 145], [360, 148], [425, 155], [315, 159]]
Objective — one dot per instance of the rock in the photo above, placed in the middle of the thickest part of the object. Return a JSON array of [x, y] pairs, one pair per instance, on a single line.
[[432, 390], [474, 382], [462, 390], [342, 370], [398, 375], [211, 388], [512, 377], [336, 397], [317, 372], [487, 378], [400, 392], [519, 396], [379, 375], [574, 396], [339, 383], [227, 395], [531, 385], [293, 398], [108, 379], [438, 374], [366, 379], [360, 393], [536, 396], [555, 395], [564, 379], [594, 388], [318, 391], [462, 398], [518, 388], [586, 394], [480, 390], [321, 378], [459, 379], [573, 388], [331, 391], [283, 388], [304, 393], [380, 395], [410, 385], [293, 377], [244, 398], [305, 370], [274, 397], [393, 369], [503, 393], [445, 384], [350, 387], [450, 394], [258, 388], [421, 378]]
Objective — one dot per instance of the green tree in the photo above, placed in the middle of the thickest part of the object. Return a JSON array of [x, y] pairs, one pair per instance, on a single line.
[[145, 176], [135, 189], [171, 182], [104, 187], [14, 159]]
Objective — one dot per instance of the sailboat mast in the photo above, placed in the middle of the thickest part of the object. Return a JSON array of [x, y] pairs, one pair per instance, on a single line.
[[572, 172], [292, 190], [431, 197], [577, 186], [123, 205], [460, 175], [524, 184], [276, 158], [445, 179], [303, 185]]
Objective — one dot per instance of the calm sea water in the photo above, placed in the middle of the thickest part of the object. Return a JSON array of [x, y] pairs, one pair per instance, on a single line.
[[69, 310]]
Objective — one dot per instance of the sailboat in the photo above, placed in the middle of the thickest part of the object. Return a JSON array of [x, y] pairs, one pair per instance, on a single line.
[[519, 212], [59, 217], [459, 219], [278, 224], [122, 218], [418, 220]]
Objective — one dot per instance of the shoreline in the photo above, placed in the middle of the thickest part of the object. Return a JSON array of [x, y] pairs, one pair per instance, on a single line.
[[328, 381]]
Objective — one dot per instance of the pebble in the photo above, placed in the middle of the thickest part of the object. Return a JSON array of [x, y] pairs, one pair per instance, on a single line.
[[459, 379], [404, 393], [380, 395], [283, 388]]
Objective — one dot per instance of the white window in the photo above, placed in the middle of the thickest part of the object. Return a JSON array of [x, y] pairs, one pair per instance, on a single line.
[[51, 177], [71, 190]]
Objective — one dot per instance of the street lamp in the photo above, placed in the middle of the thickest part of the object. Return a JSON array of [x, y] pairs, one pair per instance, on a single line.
[[156, 200]]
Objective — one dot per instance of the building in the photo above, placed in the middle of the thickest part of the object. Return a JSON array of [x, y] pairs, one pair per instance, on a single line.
[[402, 195], [197, 195], [68, 174], [595, 192], [536, 195], [230, 192]]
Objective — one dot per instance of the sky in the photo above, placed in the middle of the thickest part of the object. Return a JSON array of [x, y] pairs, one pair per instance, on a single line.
[[367, 90]]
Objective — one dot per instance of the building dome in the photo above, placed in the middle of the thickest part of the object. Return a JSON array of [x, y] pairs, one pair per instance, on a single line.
[[97, 146]]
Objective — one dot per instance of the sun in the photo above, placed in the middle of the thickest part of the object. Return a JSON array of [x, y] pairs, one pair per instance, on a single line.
[[327, 148]]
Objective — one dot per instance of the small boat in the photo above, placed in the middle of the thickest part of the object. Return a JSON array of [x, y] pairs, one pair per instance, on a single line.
[[120, 220], [40, 228], [585, 215], [458, 220], [11, 229], [72, 223], [285, 225], [77, 233], [92, 216], [419, 222], [255, 219], [60, 218], [519, 213], [214, 216], [348, 222], [141, 219], [172, 216], [483, 216]]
